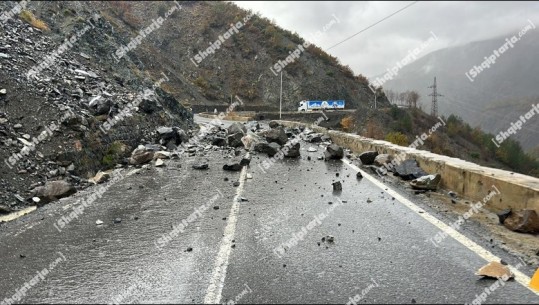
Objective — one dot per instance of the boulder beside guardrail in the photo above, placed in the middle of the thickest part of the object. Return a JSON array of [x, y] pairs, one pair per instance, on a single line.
[[469, 180]]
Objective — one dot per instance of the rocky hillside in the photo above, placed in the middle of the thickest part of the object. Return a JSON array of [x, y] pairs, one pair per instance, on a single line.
[[57, 96], [241, 64]]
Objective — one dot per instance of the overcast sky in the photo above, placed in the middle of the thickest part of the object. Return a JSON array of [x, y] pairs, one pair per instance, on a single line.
[[380, 47]]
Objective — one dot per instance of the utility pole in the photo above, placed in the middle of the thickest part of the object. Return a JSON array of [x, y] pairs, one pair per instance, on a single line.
[[281, 96], [434, 94]]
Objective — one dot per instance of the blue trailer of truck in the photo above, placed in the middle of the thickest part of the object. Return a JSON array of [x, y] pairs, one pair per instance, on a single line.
[[319, 105]]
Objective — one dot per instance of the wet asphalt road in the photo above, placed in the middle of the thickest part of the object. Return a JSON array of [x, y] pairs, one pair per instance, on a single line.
[[379, 247]]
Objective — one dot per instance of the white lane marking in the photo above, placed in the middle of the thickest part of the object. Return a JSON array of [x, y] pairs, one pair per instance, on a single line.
[[15, 215], [520, 277], [217, 281]]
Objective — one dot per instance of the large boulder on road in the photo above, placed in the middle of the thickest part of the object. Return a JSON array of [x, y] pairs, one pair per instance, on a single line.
[[292, 151], [268, 148], [314, 138], [250, 140], [274, 124], [218, 141], [234, 140], [367, 158], [246, 159], [172, 135], [141, 155], [277, 135], [53, 190], [526, 221], [232, 166], [429, 182], [236, 128], [334, 152], [409, 170], [383, 159]]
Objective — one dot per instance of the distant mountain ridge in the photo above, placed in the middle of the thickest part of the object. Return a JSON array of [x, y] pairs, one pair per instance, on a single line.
[[510, 84]]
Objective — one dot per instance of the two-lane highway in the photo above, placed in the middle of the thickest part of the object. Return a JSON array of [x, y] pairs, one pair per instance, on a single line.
[[282, 236]]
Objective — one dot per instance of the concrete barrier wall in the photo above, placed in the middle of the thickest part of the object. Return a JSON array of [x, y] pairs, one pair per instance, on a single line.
[[469, 180], [226, 118]]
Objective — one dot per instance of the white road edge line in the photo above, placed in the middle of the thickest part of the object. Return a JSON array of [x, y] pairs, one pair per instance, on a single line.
[[217, 281], [520, 277]]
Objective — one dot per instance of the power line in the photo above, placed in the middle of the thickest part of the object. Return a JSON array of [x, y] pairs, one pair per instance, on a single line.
[[370, 26]]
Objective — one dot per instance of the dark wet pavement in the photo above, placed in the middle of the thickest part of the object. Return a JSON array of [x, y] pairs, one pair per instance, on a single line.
[[380, 242]]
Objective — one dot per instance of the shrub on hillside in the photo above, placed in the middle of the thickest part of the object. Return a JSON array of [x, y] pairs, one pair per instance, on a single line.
[[397, 138], [347, 123], [27, 16]]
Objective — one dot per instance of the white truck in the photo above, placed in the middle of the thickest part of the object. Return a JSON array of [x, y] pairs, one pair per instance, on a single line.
[[321, 105]]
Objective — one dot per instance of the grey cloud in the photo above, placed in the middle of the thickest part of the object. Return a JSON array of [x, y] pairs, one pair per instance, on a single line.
[[378, 48]]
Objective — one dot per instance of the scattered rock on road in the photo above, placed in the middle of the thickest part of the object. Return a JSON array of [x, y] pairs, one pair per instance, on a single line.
[[159, 163], [409, 170], [334, 152], [202, 165], [328, 239], [525, 221], [100, 177], [495, 270], [172, 135], [141, 155], [232, 166], [368, 157], [274, 124], [234, 140], [337, 186], [429, 182], [359, 175], [218, 141], [237, 128], [162, 155], [268, 148], [382, 159], [246, 159], [277, 135], [293, 151], [314, 138], [4, 209], [53, 190]]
